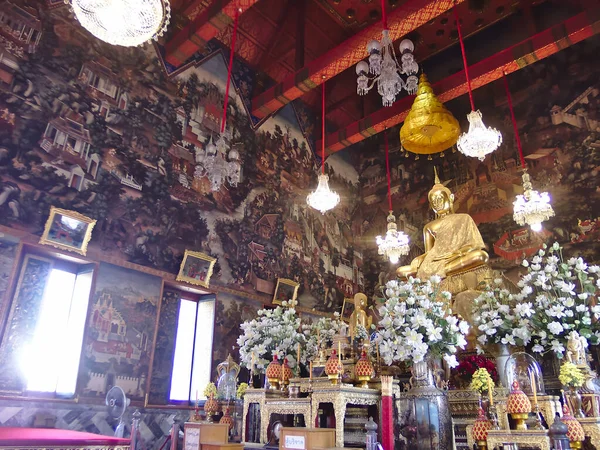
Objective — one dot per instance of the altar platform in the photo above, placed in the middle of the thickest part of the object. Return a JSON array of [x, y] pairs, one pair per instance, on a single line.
[[44, 438]]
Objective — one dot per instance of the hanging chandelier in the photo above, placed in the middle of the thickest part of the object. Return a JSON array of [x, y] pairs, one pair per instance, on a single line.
[[220, 162], [323, 199], [385, 69], [395, 243], [123, 22], [480, 140], [531, 208]]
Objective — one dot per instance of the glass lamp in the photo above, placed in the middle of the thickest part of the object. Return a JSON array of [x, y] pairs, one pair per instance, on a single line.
[[532, 207], [323, 199]]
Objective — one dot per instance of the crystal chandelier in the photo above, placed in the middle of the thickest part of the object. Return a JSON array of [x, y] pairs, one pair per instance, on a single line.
[[395, 243], [532, 208], [480, 140], [323, 199], [123, 22], [220, 162], [385, 67]]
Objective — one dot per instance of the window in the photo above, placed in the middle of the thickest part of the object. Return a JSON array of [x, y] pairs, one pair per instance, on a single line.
[[193, 348], [50, 360]]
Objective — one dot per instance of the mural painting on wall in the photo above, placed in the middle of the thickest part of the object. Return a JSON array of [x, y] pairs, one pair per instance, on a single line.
[[231, 312], [122, 322], [558, 117], [8, 252], [101, 130]]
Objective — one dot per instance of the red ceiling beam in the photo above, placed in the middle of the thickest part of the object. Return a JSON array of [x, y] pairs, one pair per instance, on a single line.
[[542, 45], [204, 27], [402, 20]]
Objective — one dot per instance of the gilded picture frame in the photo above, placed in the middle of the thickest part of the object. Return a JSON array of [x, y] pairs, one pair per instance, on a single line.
[[347, 309], [196, 268], [68, 230], [285, 290]]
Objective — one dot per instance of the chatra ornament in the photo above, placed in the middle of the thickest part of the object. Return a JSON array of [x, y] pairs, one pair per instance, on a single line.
[[364, 370], [273, 372], [480, 429], [518, 406], [334, 368]]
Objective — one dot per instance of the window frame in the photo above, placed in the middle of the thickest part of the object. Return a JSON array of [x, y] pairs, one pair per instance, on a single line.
[[60, 260]]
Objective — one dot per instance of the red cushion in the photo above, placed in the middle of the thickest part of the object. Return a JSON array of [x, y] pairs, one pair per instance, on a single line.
[[51, 436]]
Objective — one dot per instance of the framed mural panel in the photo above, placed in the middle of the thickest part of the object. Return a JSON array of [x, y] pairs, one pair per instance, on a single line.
[[285, 290], [347, 309], [68, 230], [196, 268], [120, 332]]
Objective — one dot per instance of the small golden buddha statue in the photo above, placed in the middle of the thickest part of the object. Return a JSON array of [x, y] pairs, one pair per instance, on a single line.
[[359, 316], [453, 243]]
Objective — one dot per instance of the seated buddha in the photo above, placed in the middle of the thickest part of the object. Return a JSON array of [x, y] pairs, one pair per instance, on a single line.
[[453, 243], [359, 315]]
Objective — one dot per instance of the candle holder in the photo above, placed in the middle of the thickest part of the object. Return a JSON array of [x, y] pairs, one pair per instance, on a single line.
[[538, 419]]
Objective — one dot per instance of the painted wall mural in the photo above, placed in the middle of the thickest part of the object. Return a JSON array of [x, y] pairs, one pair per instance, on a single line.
[[557, 106], [120, 332], [103, 131]]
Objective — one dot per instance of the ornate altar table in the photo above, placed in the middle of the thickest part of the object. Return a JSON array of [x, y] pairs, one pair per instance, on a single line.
[[43, 438], [531, 438], [301, 406], [340, 396]]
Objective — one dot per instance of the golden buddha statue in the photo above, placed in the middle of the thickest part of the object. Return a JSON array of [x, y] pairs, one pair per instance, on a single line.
[[359, 316], [453, 243]]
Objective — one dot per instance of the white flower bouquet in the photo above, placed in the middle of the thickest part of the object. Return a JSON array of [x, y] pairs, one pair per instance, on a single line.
[[273, 332], [499, 319], [320, 335], [417, 322], [563, 293]]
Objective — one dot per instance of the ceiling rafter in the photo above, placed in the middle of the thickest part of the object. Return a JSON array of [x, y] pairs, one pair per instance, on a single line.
[[281, 20], [205, 26], [402, 20], [550, 41]]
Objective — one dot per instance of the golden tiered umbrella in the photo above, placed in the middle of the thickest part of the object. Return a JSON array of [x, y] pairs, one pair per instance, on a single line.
[[429, 127]]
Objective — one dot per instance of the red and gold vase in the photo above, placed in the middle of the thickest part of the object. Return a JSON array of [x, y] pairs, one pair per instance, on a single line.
[[334, 368], [518, 406], [364, 370], [211, 406], [575, 431], [227, 419], [273, 372], [480, 429]]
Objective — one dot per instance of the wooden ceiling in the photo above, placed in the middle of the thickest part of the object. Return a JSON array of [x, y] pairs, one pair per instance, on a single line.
[[295, 45]]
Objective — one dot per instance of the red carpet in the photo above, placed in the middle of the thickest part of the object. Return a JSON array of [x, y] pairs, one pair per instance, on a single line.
[[53, 437]]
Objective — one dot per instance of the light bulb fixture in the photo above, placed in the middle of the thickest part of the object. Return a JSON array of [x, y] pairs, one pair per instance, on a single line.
[[385, 69], [480, 140], [123, 22], [323, 199], [395, 243], [532, 207], [219, 162]]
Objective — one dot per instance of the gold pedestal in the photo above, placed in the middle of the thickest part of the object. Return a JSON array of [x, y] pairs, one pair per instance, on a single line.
[[274, 383], [333, 378], [482, 444], [520, 419], [364, 381], [576, 445]]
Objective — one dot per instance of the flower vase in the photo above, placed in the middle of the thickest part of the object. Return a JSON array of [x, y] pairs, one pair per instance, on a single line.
[[574, 401], [501, 357], [432, 412]]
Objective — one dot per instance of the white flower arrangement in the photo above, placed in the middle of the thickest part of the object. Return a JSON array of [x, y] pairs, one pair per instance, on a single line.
[[320, 335], [273, 332], [563, 295], [499, 319], [417, 322]]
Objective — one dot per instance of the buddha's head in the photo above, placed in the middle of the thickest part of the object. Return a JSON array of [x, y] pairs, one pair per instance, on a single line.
[[440, 198], [360, 300]]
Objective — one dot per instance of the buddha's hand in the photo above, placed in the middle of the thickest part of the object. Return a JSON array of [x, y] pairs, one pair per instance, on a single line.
[[446, 256], [416, 263]]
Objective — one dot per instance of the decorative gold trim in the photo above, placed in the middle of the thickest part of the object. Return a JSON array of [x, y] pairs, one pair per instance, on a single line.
[[72, 215], [203, 257], [286, 282]]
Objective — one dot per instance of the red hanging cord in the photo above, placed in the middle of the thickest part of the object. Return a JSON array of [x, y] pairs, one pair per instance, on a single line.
[[229, 68], [384, 15], [387, 168], [323, 128], [464, 55], [514, 120]]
